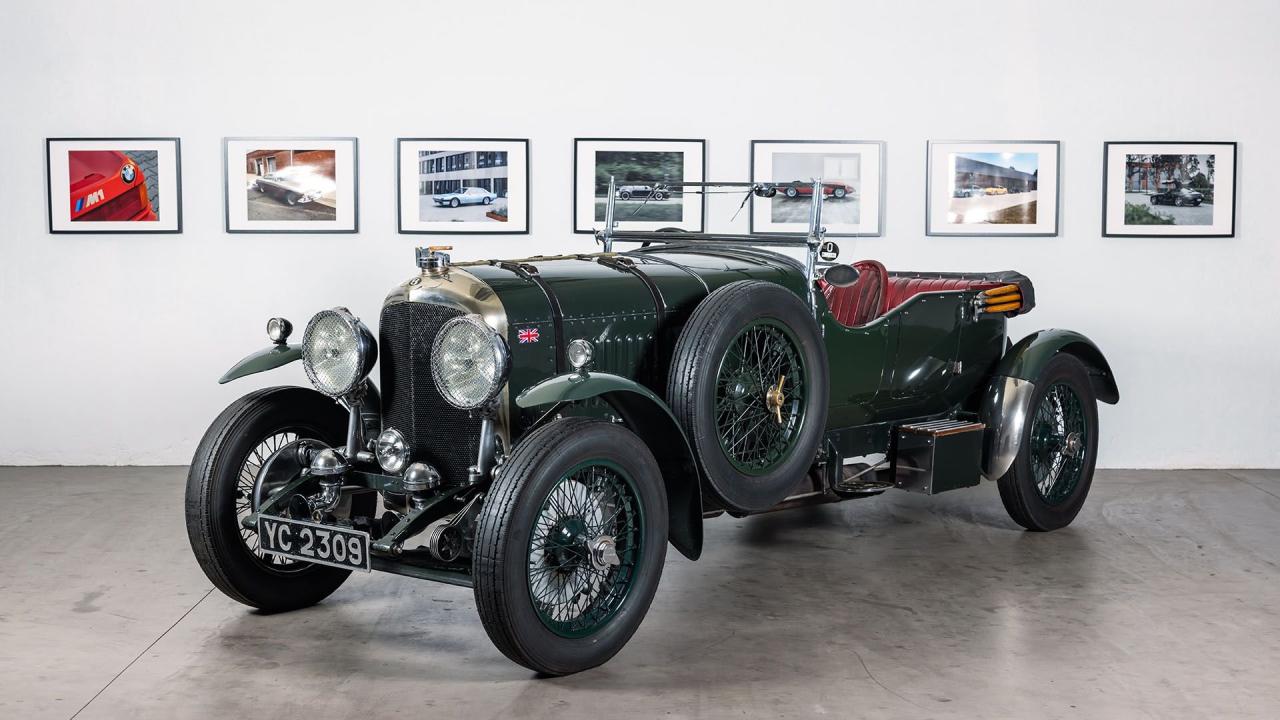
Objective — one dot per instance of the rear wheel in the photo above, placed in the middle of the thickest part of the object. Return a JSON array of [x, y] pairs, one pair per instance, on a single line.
[[569, 546], [1050, 478], [749, 385], [223, 483]]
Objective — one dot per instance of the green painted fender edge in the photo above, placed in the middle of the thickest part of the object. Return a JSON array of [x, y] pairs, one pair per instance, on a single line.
[[267, 359], [1026, 360], [649, 417]]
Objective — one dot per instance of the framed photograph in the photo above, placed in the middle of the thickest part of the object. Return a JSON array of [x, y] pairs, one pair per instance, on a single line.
[[641, 168], [995, 187], [852, 173], [1169, 189], [477, 186], [283, 185], [114, 185]]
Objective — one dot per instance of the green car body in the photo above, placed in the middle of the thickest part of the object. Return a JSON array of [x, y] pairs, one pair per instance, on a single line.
[[927, 358]]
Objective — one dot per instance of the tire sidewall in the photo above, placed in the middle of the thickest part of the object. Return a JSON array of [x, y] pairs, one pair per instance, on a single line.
[[596, 440], [1061, 369], [741, 491]]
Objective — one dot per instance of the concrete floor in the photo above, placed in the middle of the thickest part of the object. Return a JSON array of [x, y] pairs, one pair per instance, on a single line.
[[1161, 601]]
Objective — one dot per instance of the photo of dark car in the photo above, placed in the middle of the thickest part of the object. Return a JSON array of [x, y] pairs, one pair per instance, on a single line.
[[641, 192], [292, 188], [1179, 196]]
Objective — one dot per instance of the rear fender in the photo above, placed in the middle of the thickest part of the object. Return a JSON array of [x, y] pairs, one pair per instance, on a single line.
[[261, 361], [649, 418], [1006, 403]]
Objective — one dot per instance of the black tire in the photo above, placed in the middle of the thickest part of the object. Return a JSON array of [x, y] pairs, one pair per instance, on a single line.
[[624, 195], [1018, 490], [487, 200], [455, 203], [291, 198], [1178, 202], [695, 365], [838, 192], [1153, 200], [504, 531], [212, 526], [791, 192], [260, 188]]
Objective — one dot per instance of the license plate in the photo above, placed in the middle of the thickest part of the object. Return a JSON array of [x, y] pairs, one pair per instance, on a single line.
[[315, 543]]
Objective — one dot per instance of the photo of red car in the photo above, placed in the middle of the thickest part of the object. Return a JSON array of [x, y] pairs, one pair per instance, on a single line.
[[109, 185], [831, 190]]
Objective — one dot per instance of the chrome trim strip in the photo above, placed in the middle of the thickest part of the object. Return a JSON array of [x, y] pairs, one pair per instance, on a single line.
[[1005, 408]]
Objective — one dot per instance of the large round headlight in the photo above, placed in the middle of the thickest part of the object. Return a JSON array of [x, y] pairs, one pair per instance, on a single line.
[[469, 362], [338, 351]]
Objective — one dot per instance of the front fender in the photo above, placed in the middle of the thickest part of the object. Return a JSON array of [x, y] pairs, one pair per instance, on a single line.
[[266, 359], [649, 418], [1006, 404]]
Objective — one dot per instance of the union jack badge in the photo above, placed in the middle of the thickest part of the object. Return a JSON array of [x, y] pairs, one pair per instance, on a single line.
[[528, 335]]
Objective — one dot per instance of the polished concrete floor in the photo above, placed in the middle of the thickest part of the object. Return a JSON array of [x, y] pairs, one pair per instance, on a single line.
[[1161, 601]]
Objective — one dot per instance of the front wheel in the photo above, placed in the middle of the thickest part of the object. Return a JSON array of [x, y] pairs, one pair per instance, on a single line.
[[570, 545], [839, 192], [454, 203], [223, 483], [1049, 480]]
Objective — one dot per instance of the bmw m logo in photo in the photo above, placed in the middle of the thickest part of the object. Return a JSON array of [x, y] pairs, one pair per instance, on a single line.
[[128, 172], [527, 335]]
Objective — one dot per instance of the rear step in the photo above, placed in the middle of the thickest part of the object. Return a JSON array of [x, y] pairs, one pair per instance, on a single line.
[[936, 456]]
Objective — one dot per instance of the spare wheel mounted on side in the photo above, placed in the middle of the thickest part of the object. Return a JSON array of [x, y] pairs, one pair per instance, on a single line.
[[749, 385]]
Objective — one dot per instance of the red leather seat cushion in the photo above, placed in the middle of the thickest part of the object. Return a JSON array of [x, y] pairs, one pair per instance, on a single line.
[[861, 302], [903, 288]]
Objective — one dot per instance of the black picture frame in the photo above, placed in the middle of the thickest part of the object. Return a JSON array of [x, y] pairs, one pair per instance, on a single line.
[[930, 231], [528, 187], [573, 207], [355, 186], [177, 180], [881, 178], [1235, 185]]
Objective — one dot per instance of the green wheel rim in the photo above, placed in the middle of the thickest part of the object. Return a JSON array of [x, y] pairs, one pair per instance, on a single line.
[[1059, 443], [760, 397], [575, 583]]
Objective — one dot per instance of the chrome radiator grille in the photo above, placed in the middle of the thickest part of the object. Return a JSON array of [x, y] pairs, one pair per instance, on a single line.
[[437, 432]]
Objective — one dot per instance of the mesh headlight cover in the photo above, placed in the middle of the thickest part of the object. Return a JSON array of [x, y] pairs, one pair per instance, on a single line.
[[337, 351], [469, 362]]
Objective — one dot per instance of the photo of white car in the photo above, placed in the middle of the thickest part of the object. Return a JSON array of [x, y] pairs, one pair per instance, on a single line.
[[466, 196]]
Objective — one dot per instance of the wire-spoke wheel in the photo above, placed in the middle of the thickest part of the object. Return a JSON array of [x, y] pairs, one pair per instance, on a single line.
[[749, 386], [221, 488], [569, 545], [585, 548], [1059, 434], [247, 493], [1050, 477], [760, 397]]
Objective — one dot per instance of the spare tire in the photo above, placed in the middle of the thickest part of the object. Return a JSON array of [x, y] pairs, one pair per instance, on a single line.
[[749, 385]]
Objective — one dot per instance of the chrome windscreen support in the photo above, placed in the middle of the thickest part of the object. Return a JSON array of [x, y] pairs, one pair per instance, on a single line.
[[812, 242], [605, 237]]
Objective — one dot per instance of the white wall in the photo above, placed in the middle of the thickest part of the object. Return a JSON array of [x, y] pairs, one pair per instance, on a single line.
[[111, 344]]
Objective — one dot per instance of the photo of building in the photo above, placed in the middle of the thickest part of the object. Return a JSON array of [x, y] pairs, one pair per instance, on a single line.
[[994, 187]]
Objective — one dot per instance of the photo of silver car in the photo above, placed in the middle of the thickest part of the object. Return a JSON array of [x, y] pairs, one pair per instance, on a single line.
[[466, 196]]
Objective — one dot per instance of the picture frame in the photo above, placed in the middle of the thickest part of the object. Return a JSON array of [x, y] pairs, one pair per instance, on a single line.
[[633, 160], [853, 174], [469, 186], [1169, 189], [291, 184], [113, 185], [992, 188]]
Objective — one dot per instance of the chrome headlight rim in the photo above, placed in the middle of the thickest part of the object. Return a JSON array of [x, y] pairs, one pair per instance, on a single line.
[[501, 356], [392, 451], [365, 346]]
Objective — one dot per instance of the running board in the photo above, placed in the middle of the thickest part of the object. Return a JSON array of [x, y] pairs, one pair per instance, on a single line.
[[936, 456]]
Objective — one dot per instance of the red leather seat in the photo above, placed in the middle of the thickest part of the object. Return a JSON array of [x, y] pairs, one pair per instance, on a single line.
[[903, 288], [864, 300]]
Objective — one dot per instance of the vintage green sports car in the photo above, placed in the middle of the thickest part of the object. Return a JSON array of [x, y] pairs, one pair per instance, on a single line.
[[544, 427]]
